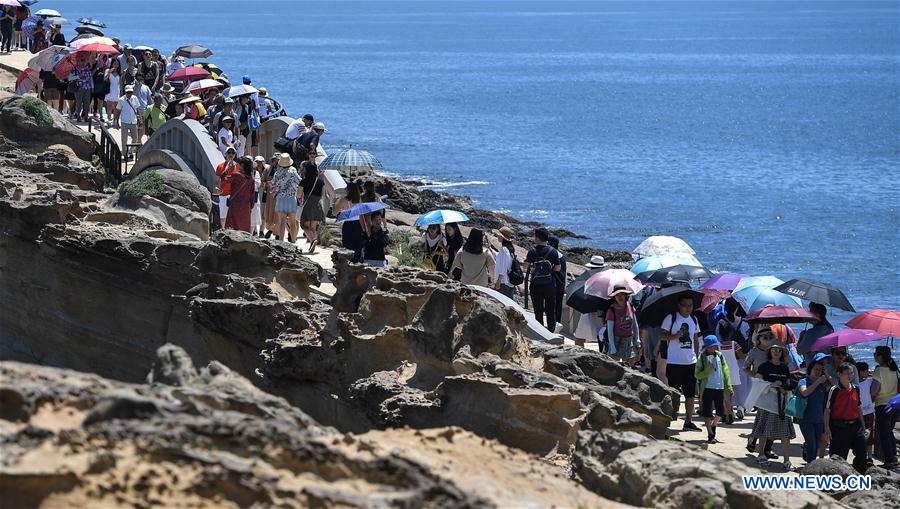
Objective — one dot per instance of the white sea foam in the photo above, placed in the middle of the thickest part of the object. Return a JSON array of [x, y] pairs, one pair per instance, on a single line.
[[441, 185]]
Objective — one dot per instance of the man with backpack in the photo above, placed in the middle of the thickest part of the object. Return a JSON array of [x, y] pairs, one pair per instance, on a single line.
[[682, 332], [543, 261]]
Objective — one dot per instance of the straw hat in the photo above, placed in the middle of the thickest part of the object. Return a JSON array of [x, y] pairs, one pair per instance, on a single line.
[[505, 233], [167, 87], [285, 160], [189, 99], [596, 261], [619, 289]]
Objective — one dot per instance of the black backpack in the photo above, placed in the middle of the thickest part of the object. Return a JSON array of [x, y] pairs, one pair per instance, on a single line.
[[515, 275], [542, 273]]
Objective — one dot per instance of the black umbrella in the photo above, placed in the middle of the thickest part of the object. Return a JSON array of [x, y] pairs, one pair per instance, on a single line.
[[664, 302], [92, 22], [815, 291], [89, 30], [193, 51], [683, 273], [582, 302]]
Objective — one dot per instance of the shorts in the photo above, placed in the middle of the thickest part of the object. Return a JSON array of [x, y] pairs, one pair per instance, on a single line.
[[681, 377], [223, 207], [17, 25], [869, 421], [663, 349], [711, 398]]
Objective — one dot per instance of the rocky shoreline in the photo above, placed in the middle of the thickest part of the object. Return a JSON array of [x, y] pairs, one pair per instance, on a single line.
[[402, 389]]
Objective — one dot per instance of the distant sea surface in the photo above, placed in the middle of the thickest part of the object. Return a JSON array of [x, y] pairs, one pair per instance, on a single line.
[[765, 134]]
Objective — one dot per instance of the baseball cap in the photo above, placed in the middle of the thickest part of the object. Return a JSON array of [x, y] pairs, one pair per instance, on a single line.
[[319, 125], [129, 88], [308, 117], [245, 79]]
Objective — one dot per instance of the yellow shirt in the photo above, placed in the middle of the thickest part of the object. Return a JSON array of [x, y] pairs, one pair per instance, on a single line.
[[888, 381]]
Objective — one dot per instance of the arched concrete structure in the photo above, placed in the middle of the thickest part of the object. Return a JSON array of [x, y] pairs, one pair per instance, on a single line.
[[190, 140], [269, 131], [163, 158]]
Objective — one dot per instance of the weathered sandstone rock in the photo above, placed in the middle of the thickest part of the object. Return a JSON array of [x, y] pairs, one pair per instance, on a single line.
[[17, 124]]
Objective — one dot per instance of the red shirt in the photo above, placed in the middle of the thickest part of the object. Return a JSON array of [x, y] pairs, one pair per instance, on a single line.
[[222, 172], [844, 403]]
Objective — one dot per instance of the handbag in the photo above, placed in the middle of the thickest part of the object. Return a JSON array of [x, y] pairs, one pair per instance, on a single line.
[[796, 405], [254, 123], [283, 143]]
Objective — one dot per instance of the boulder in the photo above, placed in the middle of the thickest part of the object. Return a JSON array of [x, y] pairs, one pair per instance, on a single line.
[[29, 121], [183, 189]]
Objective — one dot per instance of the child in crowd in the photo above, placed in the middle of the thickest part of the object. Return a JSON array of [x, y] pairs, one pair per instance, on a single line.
[[868, 389], [844, 419], [715, 384]]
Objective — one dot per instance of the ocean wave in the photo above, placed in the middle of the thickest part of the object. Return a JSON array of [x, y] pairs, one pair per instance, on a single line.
[[441, 185]]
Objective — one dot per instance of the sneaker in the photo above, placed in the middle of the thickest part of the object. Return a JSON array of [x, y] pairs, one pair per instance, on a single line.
[[771, 455], [690, 426], [711, 438], [739, 413]]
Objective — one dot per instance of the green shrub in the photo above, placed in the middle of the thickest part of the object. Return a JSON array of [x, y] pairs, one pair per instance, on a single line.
[[147, 183], [36, 109], [400, 249]]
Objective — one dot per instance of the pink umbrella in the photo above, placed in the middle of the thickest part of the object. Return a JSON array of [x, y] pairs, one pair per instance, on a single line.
[[602, 283], [26, 81], [843, 338], [711, 298], [188, 74], [884, 321], [781, 314]]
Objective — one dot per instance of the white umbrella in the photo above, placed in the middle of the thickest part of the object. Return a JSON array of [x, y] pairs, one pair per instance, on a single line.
[[663, 245], [203, 85], [46, 59], [48, 13], [241, 90]]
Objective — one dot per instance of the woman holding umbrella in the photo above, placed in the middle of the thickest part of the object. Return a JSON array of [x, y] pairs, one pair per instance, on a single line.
[[435, 250], [773, 425], [352, 234], [453, 237], [622, 327], [820, 328]]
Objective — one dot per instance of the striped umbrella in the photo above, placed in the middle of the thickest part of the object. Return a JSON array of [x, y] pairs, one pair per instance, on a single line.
[[351, 161]]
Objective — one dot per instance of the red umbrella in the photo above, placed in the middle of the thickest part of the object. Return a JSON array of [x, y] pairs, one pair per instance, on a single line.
[[188, 74], [781, 314], [97, 47], [843, 338], [884, 321], [26, 81]]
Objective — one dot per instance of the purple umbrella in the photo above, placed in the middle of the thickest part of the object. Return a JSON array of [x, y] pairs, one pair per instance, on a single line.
[[723, 281], [893, 404], [843, 338]]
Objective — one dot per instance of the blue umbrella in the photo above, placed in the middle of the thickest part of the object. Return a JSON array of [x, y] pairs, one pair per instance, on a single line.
[[92, 22], [28, 3], [893, 404], [361, 209], [351, 161], [752, 298], [763, 281], [441, 217], [657, 262], [29, 24]]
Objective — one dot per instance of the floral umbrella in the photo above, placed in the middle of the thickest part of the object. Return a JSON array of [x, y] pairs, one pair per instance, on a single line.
[[604, 282]]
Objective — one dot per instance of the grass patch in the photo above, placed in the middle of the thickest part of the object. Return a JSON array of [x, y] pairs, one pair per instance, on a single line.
[[400, 248], [148, 183], [36, 109]]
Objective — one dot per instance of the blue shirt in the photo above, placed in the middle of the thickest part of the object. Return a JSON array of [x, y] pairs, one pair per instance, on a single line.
[[815, 403], [715, 380]]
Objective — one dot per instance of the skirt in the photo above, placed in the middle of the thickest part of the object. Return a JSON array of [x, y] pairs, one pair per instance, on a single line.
[[312, 209], [771, 427], [286, 203]]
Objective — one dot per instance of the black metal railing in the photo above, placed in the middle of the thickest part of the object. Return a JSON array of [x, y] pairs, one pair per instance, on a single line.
[[110, 155]]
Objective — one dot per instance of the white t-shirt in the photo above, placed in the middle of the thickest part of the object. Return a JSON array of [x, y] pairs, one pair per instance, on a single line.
[[296, 128], [502, 264], [128, 108], [681, 352], [229, 138], [865, 396]]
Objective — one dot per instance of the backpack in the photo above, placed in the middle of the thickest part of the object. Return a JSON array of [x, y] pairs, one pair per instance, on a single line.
[[542, 274], [515, 275]]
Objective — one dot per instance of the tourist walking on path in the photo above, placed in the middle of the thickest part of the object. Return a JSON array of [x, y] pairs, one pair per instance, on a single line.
[[454, 240], [224, 170], [622, 328], [868, 388], [376, 242], [312, 213], [113, 77], [270, 218], [560, 276], [155, 116], [352, 234], [812, 425], [474, 262], [7, 18], [542, 261], [434, 250], [887, 376], [241, 196], [820, 328], [715, 384], [504, 263], [771, 422], [259, 170], [227, 110], [682, 333], [844, 426], [225, 135], [142, 92], [85, 87], [128, 119], [20, 39], [286, 183], [150, 71]]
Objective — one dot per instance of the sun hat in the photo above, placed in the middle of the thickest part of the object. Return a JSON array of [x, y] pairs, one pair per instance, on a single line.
[[319, 125], [167, 87], [263, 92], [227, 118], [285, 160], [189, 99], [775, 345], [128, 46], [129, 88], [229, 100], [230, 149], [820, 356], [505, 233], [259, 159], [596, 261], [619, 289], [711, 340]]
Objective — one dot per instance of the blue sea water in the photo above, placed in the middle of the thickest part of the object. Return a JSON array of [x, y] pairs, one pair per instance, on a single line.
[[766, 134]]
